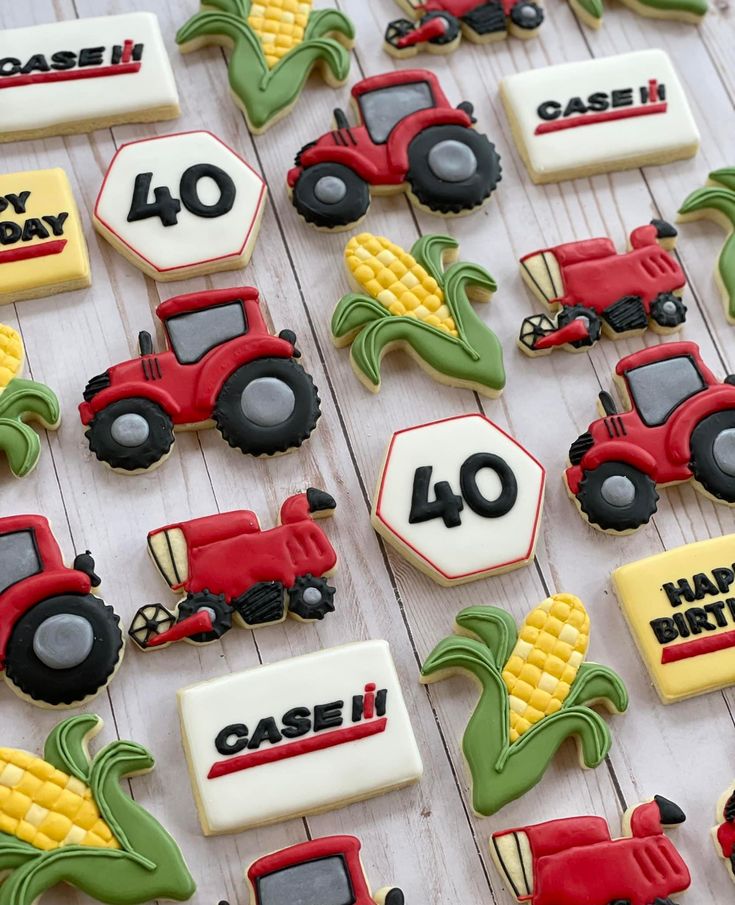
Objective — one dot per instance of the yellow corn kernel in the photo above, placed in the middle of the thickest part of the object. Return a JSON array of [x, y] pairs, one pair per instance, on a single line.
[[280, 26], [11, 355]]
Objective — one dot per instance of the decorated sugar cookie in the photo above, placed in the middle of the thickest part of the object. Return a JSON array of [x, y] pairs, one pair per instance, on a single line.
[[599, 116], [408, 139], [536, 692], [439, 25], [22, 401], [677, 425], [575, 859], [181, 205], [302, 872], [591, 11], [221, 368], [60, 644], [42, 246], [420, 302], [80, 75], [723, 835], [65, 819], [229, 569], [590, 289], [460, 499], [297, 737], [275, 45], [680, 606], [716, 201]]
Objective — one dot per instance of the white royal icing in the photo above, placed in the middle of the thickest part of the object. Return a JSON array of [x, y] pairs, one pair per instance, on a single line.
[[602, 145], [385, 758], [49, 104]]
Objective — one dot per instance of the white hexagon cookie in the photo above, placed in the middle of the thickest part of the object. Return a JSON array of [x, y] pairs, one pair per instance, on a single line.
[[460, 499], [181, 205]]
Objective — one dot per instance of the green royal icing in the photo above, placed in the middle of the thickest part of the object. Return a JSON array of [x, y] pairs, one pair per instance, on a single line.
[[22, 401], [149, 864], [697, 8], [265, 93], [503, 771], [475, 357]]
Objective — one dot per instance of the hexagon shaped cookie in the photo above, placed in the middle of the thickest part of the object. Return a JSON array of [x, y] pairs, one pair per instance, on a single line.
[[460, 499], [181, 205]]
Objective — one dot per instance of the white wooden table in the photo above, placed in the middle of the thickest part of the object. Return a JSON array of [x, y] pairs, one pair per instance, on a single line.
[[424, 839]]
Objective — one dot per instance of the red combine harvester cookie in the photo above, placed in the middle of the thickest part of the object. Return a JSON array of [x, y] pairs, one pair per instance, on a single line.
[[678, 425], [221, 364], [60, 645], [229, 568], [723, 835], [408, 139], [439, 25], [589, 288]]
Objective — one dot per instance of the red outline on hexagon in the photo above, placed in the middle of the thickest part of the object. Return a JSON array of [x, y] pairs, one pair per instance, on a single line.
[[536, 521], [261, 201]]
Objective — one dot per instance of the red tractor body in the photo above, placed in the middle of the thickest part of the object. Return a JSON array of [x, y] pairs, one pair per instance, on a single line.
[[575, 860]]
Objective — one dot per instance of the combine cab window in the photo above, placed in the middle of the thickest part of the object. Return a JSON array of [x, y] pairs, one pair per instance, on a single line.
[[382, 110], [194, 334], [19, 558], [659, 388], [322, 882]]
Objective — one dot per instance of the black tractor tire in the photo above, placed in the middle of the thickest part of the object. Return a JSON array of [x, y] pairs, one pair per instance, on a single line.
[[263, 437], [123, 457], [486, 19], [310, 598], [453, 28], [527, 16], [457, 195], [351, 194], [221, 613], [630, 512], [577, 312], [59, 686], [668, 311], [262, 604], [627, 315], [713, 455]]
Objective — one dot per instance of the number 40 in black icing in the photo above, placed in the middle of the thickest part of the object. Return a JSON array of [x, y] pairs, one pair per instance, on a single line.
[[167, 207], [448, 506]]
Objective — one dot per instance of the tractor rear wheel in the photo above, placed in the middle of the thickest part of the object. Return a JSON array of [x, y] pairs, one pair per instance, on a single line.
[[131, 435], [526, 16], [713, 455], [268, 406], [668, 311], [331, 196], [64, 650], [452, 169], [310, 598], [591, 319], [262, 604], [219, 610], [617, 497], [486, 19]]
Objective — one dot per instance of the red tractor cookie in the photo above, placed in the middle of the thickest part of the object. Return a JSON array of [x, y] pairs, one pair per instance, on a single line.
[[229, 568], [60, 644], [221, 364], [439, 25], [589, 288], [679, 426], [410, 139]]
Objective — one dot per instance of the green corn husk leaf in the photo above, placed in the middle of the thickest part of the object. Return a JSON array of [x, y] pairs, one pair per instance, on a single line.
[[66, 746], [431, 252], [352, 313], [30, 400], [495, 628], [593, 8], [21, 445], [238, 8], [14, 853], [702, 203], [595, 683], [724, 177], [325, 22]]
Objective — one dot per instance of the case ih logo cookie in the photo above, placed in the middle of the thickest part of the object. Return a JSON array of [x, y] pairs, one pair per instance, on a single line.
[[15, 234], [68, 66], [602, 107]]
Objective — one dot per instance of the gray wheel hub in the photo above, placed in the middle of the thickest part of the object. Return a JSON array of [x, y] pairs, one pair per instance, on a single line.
[[527, 14], [452, 161], [64, 641], [330, 190], [267, 401], [312, 596], [618, 491], [130, 430], [723, 450], [669, 307]]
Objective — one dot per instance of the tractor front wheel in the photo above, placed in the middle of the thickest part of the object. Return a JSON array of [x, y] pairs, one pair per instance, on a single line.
[[219, 611], [267, 407], [590, 319], [668, 311], [713, 455], [131, 435], [310, 599], [64, 650], [452, 169], [331, 196], [617, 497], [526, 17]]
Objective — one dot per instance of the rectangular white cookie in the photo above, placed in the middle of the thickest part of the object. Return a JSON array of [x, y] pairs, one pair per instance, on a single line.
[[80, 75], [360, 749], [598, 116]]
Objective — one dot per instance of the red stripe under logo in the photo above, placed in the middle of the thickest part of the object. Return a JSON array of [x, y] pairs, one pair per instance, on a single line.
[[294, 749], [709, 645], [589, 119], [68, 75], [26, 253]]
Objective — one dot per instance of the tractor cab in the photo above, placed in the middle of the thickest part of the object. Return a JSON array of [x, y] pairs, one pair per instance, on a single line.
[[658, 388]]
